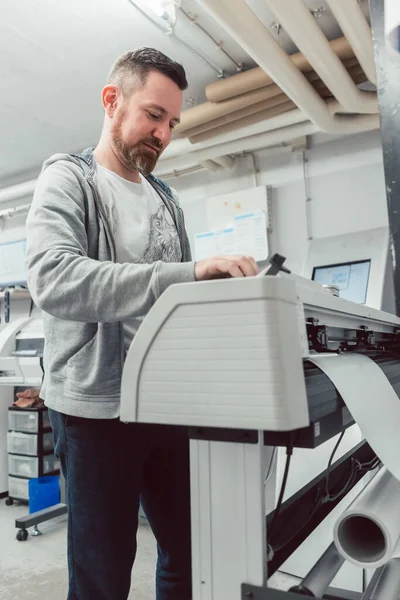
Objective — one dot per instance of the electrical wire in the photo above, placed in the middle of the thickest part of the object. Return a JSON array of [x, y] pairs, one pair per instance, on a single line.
[[332, 456], [289, 453], [322, 496], [317, 506], [179, 39], [193, 20], [271, 465]]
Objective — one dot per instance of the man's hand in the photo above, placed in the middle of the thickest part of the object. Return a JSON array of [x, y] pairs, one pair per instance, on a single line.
[[225, 266]]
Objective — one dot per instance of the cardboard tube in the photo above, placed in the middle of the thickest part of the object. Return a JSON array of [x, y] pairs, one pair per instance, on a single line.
[[210, 111], [238, 114], [241, 119], [254, 118], [257, 78]]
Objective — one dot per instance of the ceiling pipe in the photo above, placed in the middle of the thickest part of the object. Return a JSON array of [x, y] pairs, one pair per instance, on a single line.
[[234, 125], [184, 147], [350, 125], [298, 22], [246, 29], [349, 15], [234, 116], [228, 162], [15, 192], [354, 69], [208, 112], [207, 133], [256, 78], [210, 165]]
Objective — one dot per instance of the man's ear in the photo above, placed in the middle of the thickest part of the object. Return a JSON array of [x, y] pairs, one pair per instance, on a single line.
[[110, 97]]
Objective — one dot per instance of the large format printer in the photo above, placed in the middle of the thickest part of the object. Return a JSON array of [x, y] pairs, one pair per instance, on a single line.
[[21, 354], [233, 361], [21, 340]]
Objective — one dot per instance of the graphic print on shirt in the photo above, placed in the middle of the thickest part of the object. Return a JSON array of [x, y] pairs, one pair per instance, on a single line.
[[163, 243]]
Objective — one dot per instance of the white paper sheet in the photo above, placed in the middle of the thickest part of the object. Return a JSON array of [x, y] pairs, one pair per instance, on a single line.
[[247, 236], [370, 398], [251, 235], [208, 244]]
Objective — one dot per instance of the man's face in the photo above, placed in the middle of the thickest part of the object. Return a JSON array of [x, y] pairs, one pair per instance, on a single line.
[[142, 125]]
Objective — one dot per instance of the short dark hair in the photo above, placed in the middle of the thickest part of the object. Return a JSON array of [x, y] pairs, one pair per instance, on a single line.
[[139, 63]]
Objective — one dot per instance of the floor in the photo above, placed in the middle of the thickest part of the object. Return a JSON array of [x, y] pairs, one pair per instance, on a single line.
[[37, 568]]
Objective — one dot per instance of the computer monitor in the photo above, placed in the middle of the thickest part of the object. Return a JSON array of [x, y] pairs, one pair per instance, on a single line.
[[351, 278], [12, 264]]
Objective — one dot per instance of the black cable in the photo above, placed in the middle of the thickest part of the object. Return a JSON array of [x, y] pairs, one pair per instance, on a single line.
[[347, 485], [323, 496], [317, 506], [289, 452], [328, 469]]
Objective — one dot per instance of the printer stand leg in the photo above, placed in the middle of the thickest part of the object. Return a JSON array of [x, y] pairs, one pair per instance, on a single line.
[[228, 518]]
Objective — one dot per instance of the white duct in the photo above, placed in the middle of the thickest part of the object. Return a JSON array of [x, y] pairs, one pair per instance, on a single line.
[[300, 25], [15, 192], [210, 165], [349, 15], [262, 140], [246, 29], [228, 162], [184, 146], [368, 532]]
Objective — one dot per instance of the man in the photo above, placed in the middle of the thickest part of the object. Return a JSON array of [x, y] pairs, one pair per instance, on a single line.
[[105, 239]]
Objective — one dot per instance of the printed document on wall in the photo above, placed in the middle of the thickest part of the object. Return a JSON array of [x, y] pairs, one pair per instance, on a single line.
[[251, 235], [247, 236]]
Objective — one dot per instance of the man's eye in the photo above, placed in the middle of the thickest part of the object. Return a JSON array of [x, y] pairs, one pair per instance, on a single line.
[[172, 126], [154, 116]]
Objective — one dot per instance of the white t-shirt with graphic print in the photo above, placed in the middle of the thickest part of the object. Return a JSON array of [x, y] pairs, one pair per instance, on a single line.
[[142, 227]]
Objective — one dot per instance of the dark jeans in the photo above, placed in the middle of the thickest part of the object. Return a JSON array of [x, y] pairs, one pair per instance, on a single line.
[[109, 466]]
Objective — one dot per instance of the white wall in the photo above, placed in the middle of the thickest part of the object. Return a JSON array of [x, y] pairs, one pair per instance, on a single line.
[[12, 229], [346, 187]]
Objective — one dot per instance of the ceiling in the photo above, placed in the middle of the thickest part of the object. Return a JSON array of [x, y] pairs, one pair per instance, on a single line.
[[58, 54]]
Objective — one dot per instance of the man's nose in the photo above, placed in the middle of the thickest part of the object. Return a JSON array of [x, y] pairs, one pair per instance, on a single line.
[[163, 134]]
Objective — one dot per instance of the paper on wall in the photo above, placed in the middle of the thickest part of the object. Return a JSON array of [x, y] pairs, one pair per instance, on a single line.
[[208, 245], [251, 235], [247, 236], [370, 398]]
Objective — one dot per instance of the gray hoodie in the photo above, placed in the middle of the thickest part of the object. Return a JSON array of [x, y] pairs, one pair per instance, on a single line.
[[84, 294]]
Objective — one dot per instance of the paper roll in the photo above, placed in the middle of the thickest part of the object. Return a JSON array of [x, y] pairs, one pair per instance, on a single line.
[[368, 532], [371, 400]]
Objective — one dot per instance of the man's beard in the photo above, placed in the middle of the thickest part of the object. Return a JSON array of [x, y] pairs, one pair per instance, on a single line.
[[135, 157]]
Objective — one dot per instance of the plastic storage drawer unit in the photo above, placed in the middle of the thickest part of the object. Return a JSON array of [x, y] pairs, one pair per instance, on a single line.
[[23, 421], [32, 466], [18, 488], [28, 420], [30, 444]]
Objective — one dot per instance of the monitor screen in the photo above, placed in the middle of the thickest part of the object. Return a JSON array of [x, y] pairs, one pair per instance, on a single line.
[[351, 279], [12, 264]]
